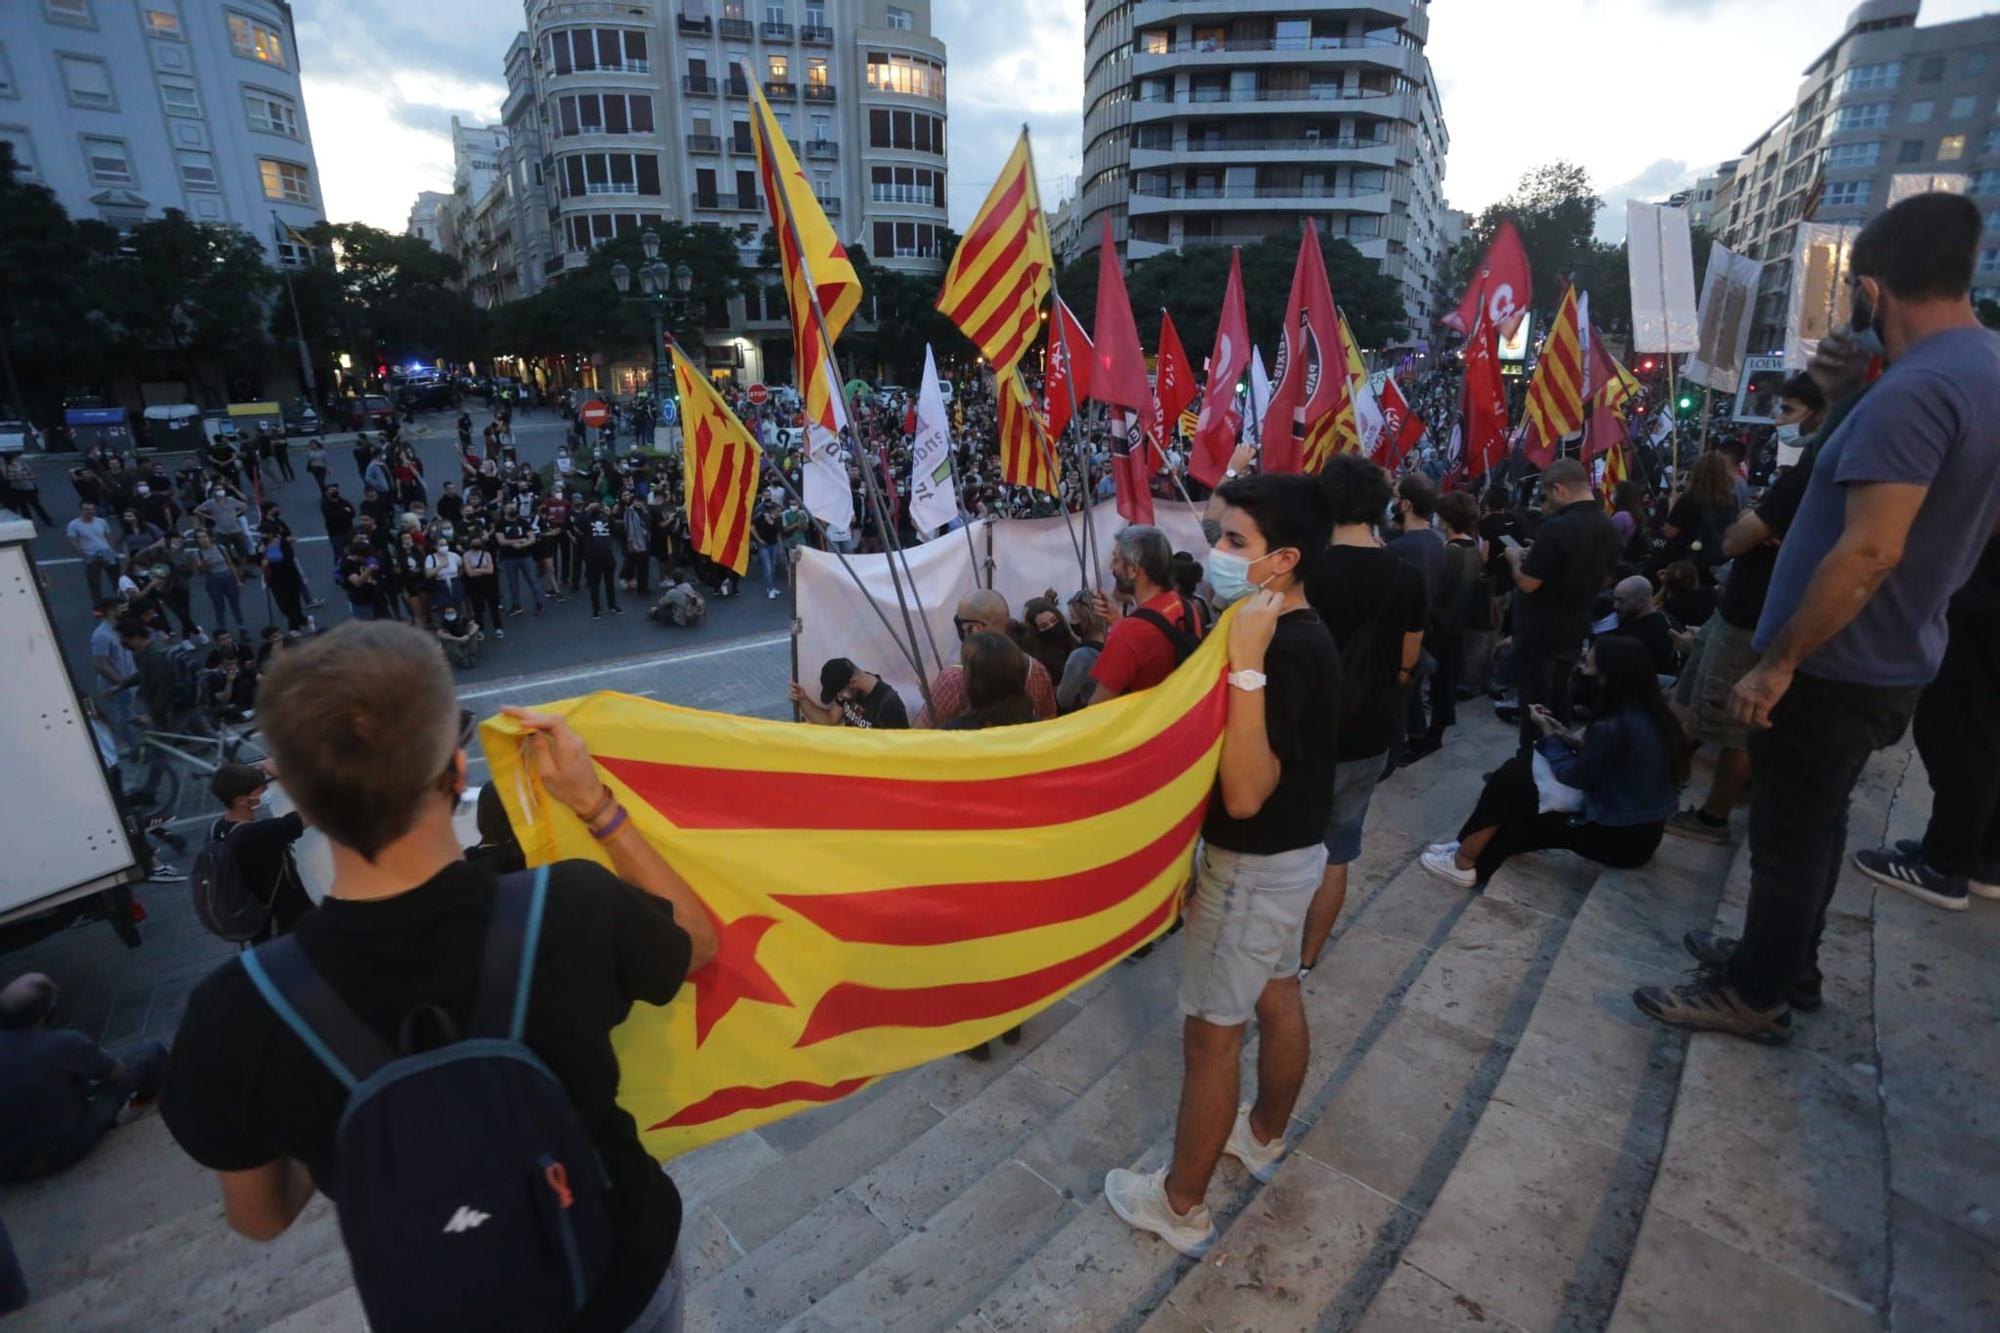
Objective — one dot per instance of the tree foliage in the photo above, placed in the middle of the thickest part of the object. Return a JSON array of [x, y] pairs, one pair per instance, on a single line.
[[1190, 285], [899, 318]]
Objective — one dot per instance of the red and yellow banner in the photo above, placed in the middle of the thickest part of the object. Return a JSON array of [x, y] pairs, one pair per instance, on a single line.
[[999, 275], [1027, 456], [723, 465], [883, 898], [1555, 396]]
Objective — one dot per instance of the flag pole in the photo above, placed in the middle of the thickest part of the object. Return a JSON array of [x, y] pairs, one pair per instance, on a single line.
[[311, 383], [1083, 487], [1049, 461], [831, 368]]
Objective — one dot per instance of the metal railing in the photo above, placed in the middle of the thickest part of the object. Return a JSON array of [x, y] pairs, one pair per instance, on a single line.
[[728, 201], [1344, 143], [776, 32], [813, 35], [689, 24], [1208, 46], [819, 92], [780, 88], [1255, 191], [824, 148], [736, 88], [743, 28], [1300, 94], [704, 143], [699, 85]]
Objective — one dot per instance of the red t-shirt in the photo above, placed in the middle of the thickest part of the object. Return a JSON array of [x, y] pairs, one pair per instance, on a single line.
[[1136, 654]]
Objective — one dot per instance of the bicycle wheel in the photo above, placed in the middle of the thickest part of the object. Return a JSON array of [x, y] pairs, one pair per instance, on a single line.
[[155, 792], [244, 747]]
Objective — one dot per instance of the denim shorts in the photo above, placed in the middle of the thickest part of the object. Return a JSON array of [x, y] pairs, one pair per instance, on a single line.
[[1244, 917], [1353, 786]]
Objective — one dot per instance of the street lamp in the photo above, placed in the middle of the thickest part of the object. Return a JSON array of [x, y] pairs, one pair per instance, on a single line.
[[664, 291]]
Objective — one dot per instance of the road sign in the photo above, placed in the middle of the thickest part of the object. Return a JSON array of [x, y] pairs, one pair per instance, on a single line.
[[757, 394], [595, 413]]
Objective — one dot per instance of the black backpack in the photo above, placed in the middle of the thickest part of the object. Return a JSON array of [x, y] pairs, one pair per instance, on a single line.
[[223, 899], [469, 1192], [1182, 641]]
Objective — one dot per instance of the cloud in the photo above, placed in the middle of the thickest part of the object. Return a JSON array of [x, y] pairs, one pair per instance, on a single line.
[[1660, 179], [1010, 64]]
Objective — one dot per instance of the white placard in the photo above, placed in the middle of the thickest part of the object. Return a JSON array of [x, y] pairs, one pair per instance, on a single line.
[[1660, 252]]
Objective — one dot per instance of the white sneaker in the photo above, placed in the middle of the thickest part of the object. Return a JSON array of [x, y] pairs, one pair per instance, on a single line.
[[1442, 864], [1260, 1159], [771, 594], [1140, 1198], [1444, 848]]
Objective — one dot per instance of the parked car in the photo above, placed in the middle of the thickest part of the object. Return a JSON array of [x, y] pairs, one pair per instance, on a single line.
[[301, 419], [219, 425], [426, 395], [16, 436], [367, 412]]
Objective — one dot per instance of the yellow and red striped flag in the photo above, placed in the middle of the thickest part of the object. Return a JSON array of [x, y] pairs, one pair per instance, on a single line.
[[813, 262], [999, 275], [723, 464], [883, 898], [1555, 396], [1026, 456], [1615, 472]]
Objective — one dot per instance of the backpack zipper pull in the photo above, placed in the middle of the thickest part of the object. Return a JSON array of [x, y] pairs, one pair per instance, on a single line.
[[558, 1180]]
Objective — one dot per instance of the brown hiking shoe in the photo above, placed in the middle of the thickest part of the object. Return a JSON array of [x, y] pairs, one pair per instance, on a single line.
[[1713, 1005]]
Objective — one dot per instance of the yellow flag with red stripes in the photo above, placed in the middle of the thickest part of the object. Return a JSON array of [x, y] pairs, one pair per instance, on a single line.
[[723, 464], [1027, 458], [999, 276], [1555, 396], [882, 898], [811, 259], [1615, 472]]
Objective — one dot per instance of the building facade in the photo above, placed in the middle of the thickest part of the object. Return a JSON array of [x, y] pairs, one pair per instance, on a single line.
[[426, 217], [127, 109], [1220, 122], [521, 170], [1889, 97]]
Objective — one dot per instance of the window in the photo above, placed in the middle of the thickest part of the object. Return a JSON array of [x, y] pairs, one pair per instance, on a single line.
[[7, 88], [271, 115], [1989, 259], [906, 240], [1920, 112], [69, 11], [285, 180], [1911, 151], [901, 19], [617, 50], [88, 81], [1951, 148], [1844, 194], [1976, 64], [180, 97], [256, 41], [1863, 116], [585, 174], [108, 161], [1854, 154], [777, 13], [1862, 78], [905, 74], [16, 138], [197, 169], [1961, 108], [1991, 144], [906, 185], [816, 76], [781, 68], [161, 23], [1986, 182], [1931, 70]]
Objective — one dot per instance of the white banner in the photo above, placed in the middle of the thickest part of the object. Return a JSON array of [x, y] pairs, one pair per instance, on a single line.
[[933, 495], [1030, 556], [1820, 300], [1260, 398], [1660, 253], [828, 495], [1728, 303]]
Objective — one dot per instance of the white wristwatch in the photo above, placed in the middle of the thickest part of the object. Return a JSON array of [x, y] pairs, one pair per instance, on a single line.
[[1248, 680], [1230, 474]]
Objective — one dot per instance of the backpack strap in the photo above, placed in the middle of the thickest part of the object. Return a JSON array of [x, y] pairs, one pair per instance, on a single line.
[[300, 997], [507, 967], [1180, 639]]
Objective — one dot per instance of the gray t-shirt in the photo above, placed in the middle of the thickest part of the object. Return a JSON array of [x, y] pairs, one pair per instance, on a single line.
[[1933, 420]]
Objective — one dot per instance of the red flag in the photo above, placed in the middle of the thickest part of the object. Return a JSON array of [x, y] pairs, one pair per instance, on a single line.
[[1215, 434], [1311, 375], [1401, 428], [1069, 346], [1176, 377], [1485, 401], [1118, 379], [910, 418], [1503, 276], [1605, 427]]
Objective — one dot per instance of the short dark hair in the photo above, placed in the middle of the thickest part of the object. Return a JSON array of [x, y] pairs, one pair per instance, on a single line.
[[1356, 490], [232, 781], [1187, 573], [363, 722], [1923, 248], [1421, 492], [1459, 511], [131, 627], [1803, 388], [1566, 473], [1288, 509]]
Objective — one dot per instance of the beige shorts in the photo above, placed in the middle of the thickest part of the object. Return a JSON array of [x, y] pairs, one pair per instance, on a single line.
[[1722, 656]]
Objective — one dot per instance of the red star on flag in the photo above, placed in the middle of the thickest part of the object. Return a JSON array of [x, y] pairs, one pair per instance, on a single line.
[[734, 975]]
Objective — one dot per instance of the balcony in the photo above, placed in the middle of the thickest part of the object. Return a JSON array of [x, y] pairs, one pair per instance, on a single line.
[[819, 92], [743, 146], [816, 36], [728, 201], [741, 29], [695, 27], [775, 32], [781, 88], [698, 85], [830, 203], [826, 149], [1210, 47], [1253, 191], [737, 88], [704, 143], [1301, 93]]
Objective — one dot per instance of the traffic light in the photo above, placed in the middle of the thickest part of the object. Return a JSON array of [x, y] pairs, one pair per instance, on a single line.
[[1647, 365]]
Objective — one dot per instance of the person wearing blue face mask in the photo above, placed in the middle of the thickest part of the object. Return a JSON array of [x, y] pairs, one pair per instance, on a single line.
[[1258, 863]]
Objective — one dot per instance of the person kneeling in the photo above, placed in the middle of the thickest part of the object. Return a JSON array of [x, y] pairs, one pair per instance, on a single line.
[[1627, 767]]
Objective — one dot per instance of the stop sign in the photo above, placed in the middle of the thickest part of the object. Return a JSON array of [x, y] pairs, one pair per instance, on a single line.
[[595, 413], [757, 394]]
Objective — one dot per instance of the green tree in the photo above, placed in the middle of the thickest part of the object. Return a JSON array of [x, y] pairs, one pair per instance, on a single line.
[[1608, 279], [197, 291], [898, 319], [1555, 209], [49, 334], [393, 296]]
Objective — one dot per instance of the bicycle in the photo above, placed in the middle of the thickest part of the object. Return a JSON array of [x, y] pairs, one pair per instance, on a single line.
[[152, 775]]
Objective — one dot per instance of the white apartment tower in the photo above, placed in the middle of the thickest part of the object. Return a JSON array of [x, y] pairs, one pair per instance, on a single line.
[[127, 108]]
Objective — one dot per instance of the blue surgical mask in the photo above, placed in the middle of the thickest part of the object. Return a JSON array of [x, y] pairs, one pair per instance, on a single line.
[[1788, 433], [1229, 575]]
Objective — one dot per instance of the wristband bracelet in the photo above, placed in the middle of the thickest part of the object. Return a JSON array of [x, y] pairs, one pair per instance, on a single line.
[[618, 821], [602, 806]]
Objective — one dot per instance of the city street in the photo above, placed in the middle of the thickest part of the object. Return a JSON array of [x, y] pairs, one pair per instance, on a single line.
[[564, 639]]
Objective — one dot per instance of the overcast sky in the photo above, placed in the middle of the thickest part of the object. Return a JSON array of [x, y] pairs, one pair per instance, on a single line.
[[1645, 94]]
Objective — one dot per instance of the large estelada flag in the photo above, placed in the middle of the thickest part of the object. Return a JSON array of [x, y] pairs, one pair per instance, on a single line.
[[883, 898], [1027, 456], [1555, 407], [723, 465], [999, 275]]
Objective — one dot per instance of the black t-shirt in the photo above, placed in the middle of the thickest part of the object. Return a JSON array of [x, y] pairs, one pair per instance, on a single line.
[[1302, 722], [1656, 636], [1574, 551], [242, 1090], [1493, 527], [881, 707], [263, 852], [597, 531], [766, 527], [1750, 575], [1353, 586]]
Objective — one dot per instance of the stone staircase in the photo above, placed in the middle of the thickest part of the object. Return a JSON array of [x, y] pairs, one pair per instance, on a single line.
[[1490, 1136]]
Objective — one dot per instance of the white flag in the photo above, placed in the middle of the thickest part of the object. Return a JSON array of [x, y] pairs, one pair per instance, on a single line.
[[1368, 420], [1260, 398], [827, 493], [933, 496]]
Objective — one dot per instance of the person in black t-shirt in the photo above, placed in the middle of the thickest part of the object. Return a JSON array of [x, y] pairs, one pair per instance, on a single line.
[[597, 537], [1558, 580], [1639, 619], [1259, 861], [363, 724], [851, 697], [262, 847]]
